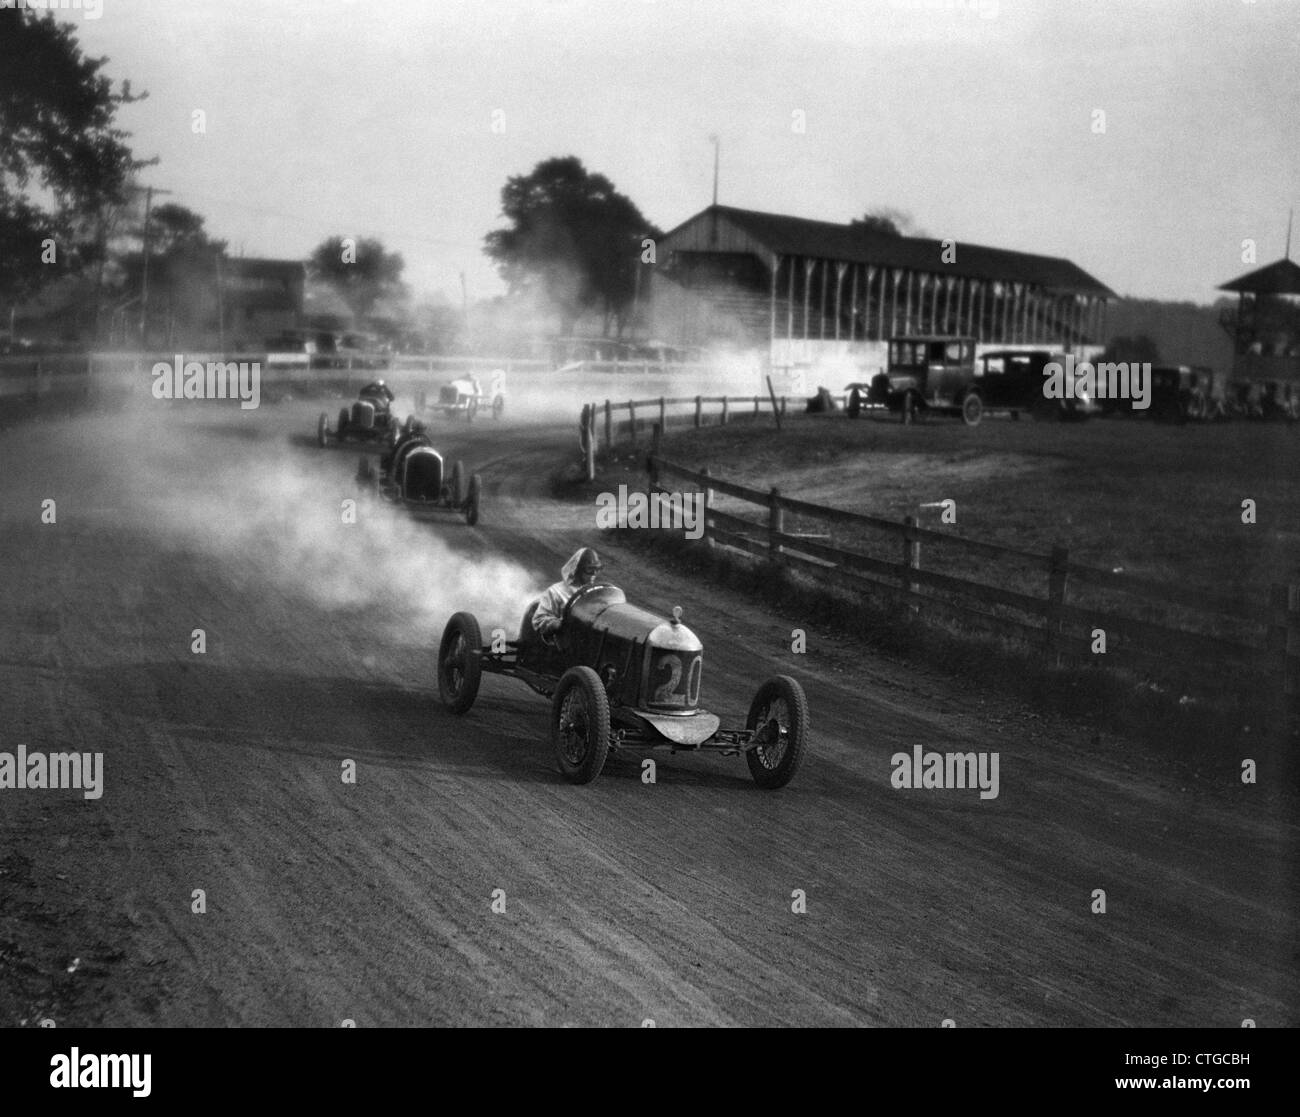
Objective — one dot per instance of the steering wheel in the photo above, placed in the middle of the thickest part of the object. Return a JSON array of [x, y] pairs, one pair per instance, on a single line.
[[581, 592]]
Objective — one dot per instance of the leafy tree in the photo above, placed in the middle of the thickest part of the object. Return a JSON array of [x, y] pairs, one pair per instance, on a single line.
[[573, 238], [362, 271], [894, 222], [1139, 348], [175, 229], [62, 156]]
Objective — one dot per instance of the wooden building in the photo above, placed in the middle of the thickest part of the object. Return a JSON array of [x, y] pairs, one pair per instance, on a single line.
[[1265, 324], [814, 292]]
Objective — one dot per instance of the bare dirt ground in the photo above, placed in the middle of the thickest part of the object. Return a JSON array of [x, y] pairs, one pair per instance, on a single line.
[[623, 901]]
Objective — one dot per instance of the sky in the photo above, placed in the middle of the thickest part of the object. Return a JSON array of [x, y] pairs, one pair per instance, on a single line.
[[402, 119]]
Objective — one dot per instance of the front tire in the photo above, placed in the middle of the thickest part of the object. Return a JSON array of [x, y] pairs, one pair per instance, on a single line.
[[498, 406], [580, 725], [460, 662], [322, 429], [343, 421], [779, 717]]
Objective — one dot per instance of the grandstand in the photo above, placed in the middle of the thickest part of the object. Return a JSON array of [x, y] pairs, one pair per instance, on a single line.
[[814, 292]]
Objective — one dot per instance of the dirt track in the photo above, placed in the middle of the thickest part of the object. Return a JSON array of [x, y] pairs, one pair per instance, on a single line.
[[624, 901]]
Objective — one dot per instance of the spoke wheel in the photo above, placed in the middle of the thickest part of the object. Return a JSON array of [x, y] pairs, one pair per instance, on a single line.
[[580, 725], [778, 717], [460, 663]]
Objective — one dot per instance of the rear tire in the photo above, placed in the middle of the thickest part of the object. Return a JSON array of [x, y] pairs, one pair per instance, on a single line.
[[471, 409], [780, 713], [475, 496], [855, 404], [972, 409], [580, 725], [460, 662], [498, 406], [322, 429]]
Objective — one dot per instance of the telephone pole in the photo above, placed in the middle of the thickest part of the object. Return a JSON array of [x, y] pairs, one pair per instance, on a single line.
[[144, 269]]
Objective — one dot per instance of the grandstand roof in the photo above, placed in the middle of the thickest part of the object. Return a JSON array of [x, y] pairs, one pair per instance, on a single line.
[[799, 236], [1282, 277]]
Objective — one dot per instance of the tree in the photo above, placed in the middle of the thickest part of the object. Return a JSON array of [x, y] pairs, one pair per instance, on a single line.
[[62, 157], [1139, 348], [573, 239], [361, 271], [174, 229], [893, 222]]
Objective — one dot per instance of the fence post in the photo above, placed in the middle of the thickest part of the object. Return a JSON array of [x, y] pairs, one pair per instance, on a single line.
[[631, 411], [708, 507], [699, 405], [663, 415], [1283, 633], [911, 561], [775, 524], [776, 414], [589, 439], [656, 432], [724, 411], [609, 425], [756, 407], [783, 400], [1056, 579]]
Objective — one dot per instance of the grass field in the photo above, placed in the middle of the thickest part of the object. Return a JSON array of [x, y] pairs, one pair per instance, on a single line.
[[1153, 500]]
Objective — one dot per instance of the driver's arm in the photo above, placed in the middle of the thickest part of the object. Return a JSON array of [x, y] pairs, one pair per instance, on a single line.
[[549, 612]]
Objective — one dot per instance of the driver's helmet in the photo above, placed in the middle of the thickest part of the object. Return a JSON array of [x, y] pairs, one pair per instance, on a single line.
[[588, 564]]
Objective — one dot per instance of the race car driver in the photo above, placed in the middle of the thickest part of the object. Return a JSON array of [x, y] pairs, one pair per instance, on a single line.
[[579, 571], [377, 389]]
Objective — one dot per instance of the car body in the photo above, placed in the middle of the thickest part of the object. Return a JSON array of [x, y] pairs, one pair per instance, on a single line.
[[412, 473], [369, 419], [929, 372], [619, 676], [1179, 393], [465, 396], [1013, 380]]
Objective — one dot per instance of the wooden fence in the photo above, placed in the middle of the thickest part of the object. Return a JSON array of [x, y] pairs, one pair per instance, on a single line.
[[1076, 607], [644, 414]]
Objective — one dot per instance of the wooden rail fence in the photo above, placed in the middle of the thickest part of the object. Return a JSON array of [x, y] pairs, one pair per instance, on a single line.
[[1076, 604]]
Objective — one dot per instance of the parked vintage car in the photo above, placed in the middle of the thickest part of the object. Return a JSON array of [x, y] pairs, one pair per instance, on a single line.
[[621, 677], [929, 373], [412, 473], [1013, 380], [369, 419], [1179, 393], [465, 396]]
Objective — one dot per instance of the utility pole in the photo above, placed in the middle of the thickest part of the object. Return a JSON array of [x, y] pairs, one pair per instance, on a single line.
[[144, 271], [1289, 218], [717, 147], [464, 307]]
